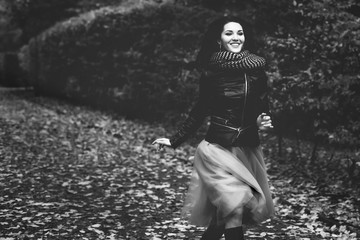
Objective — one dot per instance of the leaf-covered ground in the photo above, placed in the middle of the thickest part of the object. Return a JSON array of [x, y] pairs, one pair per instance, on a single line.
[[68, 172]]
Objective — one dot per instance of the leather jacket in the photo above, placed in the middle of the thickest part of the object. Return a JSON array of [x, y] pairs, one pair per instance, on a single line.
[[222, 97]]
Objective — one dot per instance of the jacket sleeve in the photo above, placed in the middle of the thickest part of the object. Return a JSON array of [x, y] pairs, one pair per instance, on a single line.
[[258, 98], [196, 116], [263, 89]]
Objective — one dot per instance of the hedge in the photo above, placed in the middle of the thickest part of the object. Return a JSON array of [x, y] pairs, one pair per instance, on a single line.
[[11, 75], [129, 58], [133, 59], [315, 69]]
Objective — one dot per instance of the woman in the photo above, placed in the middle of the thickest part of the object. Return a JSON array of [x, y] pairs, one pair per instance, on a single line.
[[229, 186]]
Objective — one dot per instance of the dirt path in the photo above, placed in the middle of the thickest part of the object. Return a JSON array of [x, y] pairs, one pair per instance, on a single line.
[[68, 172]]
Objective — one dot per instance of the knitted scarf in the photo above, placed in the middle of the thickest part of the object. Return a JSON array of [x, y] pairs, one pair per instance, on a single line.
[[243, 60]]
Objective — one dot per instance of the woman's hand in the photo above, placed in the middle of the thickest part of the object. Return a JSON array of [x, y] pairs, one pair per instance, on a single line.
[[264, 121], [161, 142]]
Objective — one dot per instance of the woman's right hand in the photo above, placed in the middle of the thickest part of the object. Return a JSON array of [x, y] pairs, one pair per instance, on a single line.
[[161, 142], [264, 122]]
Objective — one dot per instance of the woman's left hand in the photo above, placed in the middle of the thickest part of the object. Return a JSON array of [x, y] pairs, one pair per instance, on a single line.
[[264, 121], [161, 142]]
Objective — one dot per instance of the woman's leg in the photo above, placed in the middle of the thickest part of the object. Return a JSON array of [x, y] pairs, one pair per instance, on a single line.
[[214, 231], [234, 233], [233, 227]]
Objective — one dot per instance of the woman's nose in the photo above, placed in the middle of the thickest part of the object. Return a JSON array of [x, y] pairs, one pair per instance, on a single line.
[[236, 37]]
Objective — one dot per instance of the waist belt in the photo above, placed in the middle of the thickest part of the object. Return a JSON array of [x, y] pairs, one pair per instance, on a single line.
[[227, 123]]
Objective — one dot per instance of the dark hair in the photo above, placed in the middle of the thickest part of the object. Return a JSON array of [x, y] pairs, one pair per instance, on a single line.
[[210, 39]]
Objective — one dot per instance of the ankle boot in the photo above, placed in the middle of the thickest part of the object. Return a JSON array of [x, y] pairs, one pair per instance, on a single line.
[[213, 232], [234, 233]]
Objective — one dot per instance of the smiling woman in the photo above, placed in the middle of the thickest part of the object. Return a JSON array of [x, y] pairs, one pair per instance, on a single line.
[[229, 184]]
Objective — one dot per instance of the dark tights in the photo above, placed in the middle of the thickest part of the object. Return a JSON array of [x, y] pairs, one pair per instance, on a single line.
[[214, 232], [234, 233]]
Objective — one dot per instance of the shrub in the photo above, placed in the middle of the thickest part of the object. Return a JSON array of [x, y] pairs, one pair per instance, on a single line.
[[34, 16], [132, 57], [129, 58], [316, 73], [11, 74]]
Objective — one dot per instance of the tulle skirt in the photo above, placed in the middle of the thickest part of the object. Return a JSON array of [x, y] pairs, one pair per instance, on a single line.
[[225, 179]]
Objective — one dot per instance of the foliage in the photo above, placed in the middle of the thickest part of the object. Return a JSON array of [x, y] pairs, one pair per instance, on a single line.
[[20, 20], [34, 16], [11, 74], [71, 173], [312, 49], [315, 72], [9, 34], [130, 57]]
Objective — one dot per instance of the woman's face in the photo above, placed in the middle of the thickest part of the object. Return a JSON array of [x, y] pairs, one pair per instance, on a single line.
[[232, 37]]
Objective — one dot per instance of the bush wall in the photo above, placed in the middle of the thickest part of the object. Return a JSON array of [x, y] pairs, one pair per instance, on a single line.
[[133, 59], [11, 75], [315, 71], [129, 58]]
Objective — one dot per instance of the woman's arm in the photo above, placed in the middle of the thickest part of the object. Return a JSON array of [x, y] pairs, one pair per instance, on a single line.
[[263, 90], [192, 122], [263, 120]]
